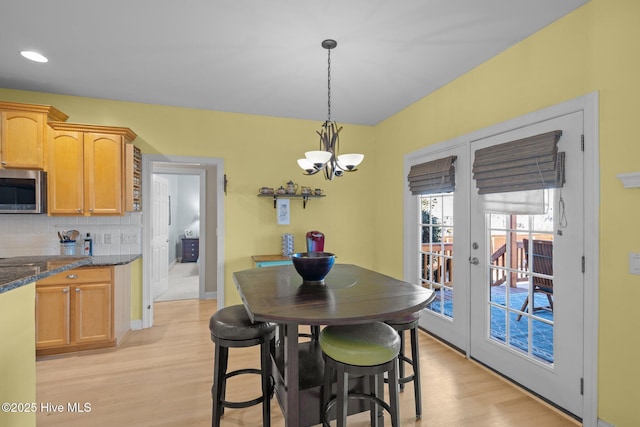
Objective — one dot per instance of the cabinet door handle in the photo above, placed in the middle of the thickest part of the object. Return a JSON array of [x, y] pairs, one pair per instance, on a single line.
[[65, 290], [90, 209], [72, 276], [77, 289], [79, 210]]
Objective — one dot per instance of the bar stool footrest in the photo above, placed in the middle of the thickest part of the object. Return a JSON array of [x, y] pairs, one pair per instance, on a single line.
[[247, 403], [359, 396], [408, 378]]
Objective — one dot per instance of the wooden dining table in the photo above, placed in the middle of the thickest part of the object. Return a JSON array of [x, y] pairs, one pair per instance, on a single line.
[[350, 295]]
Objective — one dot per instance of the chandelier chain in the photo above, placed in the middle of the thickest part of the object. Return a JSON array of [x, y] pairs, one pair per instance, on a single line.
[[329, 85]]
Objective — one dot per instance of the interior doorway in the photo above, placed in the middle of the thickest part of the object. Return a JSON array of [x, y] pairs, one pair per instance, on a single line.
[[204, 219], [183, 234]]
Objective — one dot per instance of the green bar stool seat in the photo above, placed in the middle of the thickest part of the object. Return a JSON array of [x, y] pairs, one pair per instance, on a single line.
[[232, 327], [369, 350]]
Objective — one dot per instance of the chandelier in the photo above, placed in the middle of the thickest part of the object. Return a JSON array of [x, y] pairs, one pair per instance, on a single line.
[[326, 158]]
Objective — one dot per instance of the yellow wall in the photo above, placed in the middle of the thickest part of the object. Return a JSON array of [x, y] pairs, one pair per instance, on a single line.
[[18, 354], [593, 49], [257, 151], [136, 289]]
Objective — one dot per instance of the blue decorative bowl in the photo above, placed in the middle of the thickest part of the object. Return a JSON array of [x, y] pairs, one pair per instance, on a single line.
[[313, 266]]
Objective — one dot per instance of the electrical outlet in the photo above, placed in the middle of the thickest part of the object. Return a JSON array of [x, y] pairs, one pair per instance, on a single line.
[[107, 238], [129, 239]]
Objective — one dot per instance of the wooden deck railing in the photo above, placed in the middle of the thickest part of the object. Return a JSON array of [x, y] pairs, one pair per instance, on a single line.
[[438, 258], [499, 259]]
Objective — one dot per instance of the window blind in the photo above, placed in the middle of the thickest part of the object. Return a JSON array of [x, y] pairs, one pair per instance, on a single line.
[[531, 163], [437, 176]]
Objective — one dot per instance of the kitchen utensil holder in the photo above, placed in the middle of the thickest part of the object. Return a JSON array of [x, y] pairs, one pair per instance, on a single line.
[[68, 248]]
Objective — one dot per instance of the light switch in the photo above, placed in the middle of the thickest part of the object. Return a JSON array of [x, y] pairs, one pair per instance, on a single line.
[[634, 263]]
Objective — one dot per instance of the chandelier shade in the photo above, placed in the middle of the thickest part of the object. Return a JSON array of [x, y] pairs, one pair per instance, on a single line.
[[327, 157], [318, 158], [350, 161]]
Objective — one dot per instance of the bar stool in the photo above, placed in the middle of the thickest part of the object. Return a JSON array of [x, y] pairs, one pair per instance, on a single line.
[[369, 350], [231, 327], [409, 323]]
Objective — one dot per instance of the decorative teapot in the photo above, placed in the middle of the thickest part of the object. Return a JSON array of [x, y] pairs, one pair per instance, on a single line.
[[292, 187]]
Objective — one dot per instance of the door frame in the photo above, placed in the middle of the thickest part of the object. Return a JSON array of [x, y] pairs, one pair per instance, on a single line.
[[588, 104], [156, 163]]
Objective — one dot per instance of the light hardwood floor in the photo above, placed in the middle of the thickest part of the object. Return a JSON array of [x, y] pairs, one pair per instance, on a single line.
[[183, 282], [162, 377]]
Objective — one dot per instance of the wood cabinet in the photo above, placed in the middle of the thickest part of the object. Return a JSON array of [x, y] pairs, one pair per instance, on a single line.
[[23, 134], [190, 249], [87, 169], [53, 316], [74, 310]]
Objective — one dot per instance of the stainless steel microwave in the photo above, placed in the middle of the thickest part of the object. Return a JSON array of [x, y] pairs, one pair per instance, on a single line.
[[23, 191]]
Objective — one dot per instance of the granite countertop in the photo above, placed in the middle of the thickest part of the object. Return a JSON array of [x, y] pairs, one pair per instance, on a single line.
[[20, 271]]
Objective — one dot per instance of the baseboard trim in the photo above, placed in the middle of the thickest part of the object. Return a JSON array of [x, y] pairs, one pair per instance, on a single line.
[[136, 325], [211, 295]]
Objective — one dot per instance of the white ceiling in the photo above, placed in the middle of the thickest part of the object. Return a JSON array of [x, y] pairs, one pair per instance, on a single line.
[[258, 56]]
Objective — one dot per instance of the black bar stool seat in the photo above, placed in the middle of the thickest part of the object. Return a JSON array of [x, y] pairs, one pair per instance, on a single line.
[[231, 327]]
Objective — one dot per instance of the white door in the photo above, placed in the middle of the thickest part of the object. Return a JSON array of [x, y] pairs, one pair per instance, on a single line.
[[159, 236], [442, 246], [536, 339]]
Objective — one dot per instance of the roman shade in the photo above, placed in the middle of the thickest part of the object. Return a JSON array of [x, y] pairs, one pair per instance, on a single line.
[[531, 163], [437, 176]]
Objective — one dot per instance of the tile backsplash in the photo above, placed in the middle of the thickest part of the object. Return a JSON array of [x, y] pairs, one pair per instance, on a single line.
[[24, 235]]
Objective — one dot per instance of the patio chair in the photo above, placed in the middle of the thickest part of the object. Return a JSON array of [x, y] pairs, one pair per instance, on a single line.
[[542, 261]]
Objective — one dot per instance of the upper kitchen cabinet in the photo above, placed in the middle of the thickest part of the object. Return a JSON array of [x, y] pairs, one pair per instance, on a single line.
[[86, 174], [23, 134]]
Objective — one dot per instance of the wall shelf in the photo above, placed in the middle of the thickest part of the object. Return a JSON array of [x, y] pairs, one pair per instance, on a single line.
[[630, 180], [304, 197]]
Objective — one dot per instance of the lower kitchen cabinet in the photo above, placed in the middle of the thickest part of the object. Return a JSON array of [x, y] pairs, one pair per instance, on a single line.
[[75, 310], [93, 313], [53, 311]]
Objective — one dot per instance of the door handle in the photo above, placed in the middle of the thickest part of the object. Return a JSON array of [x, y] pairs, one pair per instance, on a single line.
[[474, 261]]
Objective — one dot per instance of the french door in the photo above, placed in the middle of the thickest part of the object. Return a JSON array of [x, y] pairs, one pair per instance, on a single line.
[[441, 241], [527, 279], [484, 267]]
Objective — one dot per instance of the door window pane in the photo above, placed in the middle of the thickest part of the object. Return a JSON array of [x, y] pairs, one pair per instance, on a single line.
[[436, 250], [520, 293]]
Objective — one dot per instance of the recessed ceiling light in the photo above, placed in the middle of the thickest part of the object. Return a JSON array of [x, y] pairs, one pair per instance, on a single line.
[[34, 56]]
